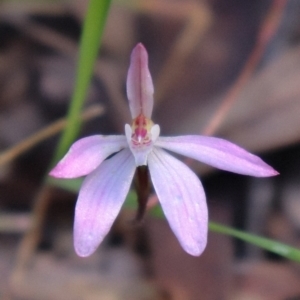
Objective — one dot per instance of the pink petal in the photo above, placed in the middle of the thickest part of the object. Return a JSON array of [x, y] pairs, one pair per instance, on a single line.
[[100, 199], [182, 198], [218, 153], [139, 83], [87, 154]]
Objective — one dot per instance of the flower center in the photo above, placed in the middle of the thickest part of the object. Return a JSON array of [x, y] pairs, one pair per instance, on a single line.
[[140, 136]]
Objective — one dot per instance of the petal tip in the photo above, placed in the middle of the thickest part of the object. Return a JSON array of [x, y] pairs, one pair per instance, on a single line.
[[268, 172], [83, 250], [85, 245], [55, 172], [275, 173], [195, 250], [139, 48], [139, 56], [61, 171]]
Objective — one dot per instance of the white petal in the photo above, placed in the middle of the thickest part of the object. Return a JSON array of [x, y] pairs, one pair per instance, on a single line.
[[140, 152], [155, 131], [182, 198], [100, 199], [218, 153], [86, 154], [139, 83]]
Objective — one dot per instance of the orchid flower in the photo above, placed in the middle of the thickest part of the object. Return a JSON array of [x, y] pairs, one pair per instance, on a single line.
[[178, 189]]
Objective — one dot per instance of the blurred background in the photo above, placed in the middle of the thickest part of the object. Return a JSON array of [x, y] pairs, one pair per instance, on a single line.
[[224, 68]]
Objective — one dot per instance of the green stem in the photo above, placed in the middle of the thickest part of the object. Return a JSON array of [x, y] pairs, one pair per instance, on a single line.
[[267, 244], [93, 28]]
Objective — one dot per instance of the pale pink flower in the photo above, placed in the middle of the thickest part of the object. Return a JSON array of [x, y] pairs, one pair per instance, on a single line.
[[179, 190]]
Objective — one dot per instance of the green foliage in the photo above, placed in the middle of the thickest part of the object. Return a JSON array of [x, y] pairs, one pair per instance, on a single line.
[[267, 244], [93, 28]]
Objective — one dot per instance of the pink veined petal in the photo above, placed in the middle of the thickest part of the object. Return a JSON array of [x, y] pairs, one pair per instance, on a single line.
[[87, 154], [218, 153], [139, 83], [182, 198], [100, 199]]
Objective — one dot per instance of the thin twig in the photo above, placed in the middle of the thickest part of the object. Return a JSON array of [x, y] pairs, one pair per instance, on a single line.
[[12, 222], [32, 236], [12, 153], [15, 9], [268, 30]]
